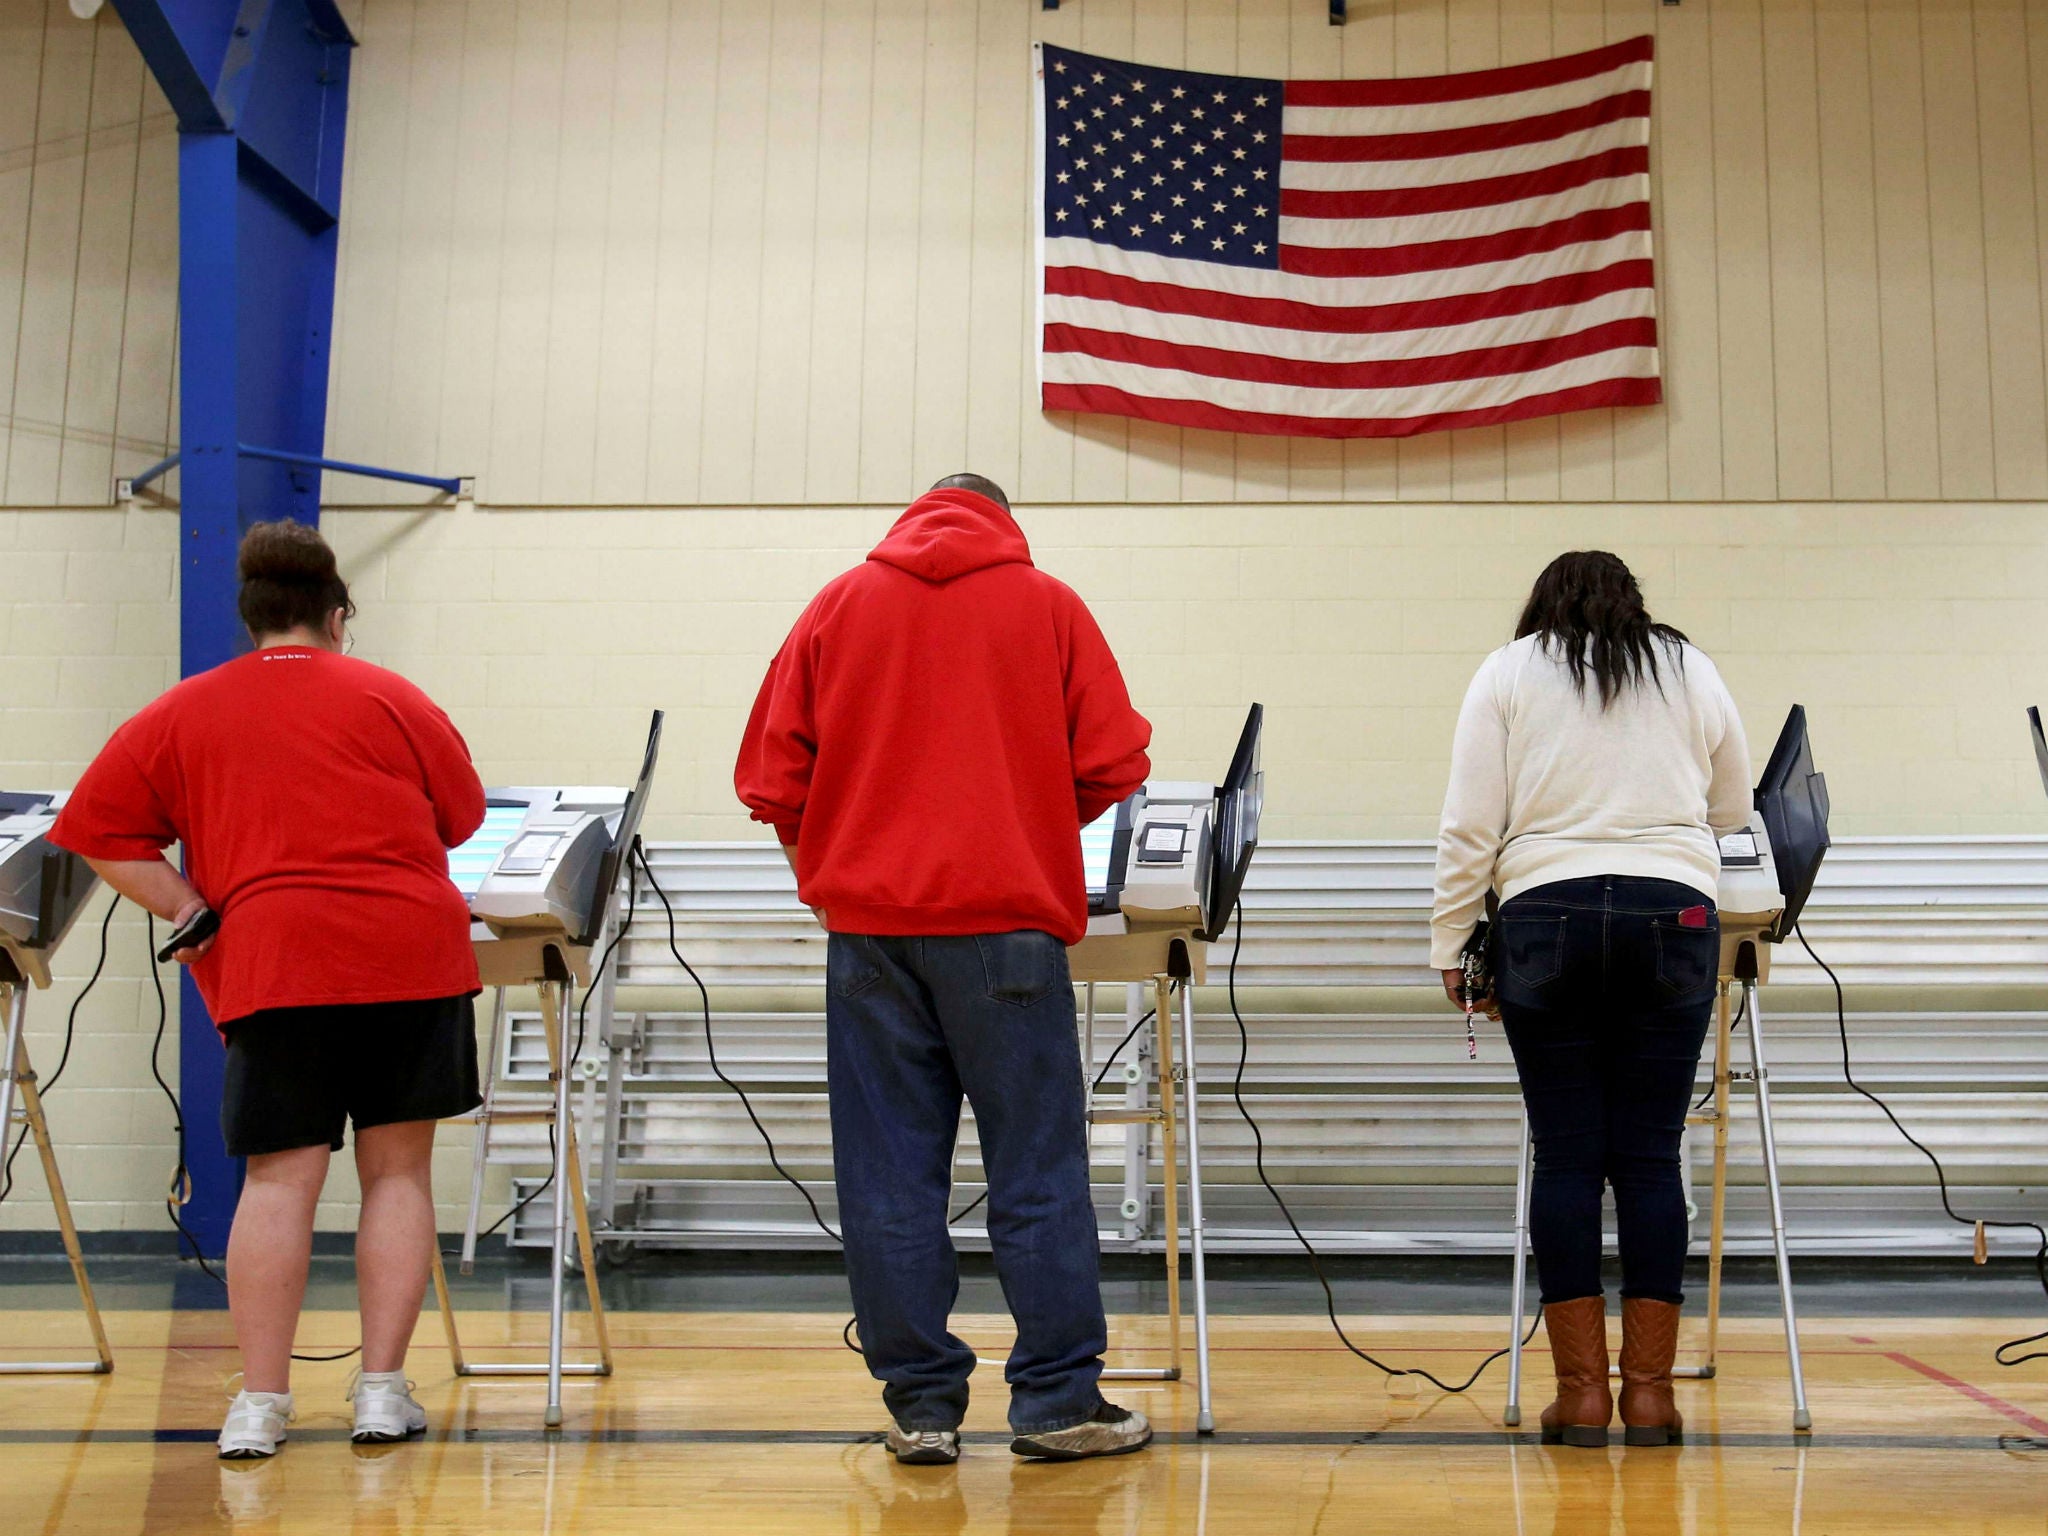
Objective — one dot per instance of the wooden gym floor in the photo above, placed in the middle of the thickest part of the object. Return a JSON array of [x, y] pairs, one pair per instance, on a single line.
[[760, 1422]]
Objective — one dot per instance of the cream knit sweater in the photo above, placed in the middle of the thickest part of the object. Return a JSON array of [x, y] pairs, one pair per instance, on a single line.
[[1546, 785]]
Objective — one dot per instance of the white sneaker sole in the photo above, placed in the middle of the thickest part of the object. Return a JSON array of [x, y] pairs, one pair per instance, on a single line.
[[386, 1434], [250, 1450]]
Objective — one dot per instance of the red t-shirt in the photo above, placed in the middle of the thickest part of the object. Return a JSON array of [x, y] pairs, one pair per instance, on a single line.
[[317, 798]]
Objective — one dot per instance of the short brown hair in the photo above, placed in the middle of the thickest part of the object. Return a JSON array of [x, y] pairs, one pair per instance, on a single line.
[[289, 579]]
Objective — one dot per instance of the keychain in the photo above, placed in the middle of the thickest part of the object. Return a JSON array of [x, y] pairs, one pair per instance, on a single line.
[[1469, 989]]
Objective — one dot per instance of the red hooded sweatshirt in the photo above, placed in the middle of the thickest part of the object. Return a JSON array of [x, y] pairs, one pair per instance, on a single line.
[[935, 731]]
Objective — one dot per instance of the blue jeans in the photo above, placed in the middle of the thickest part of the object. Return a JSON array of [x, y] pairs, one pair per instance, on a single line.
[[1605, 995], [911, 1024]]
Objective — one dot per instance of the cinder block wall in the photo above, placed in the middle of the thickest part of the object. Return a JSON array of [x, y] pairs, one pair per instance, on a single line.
[[1913, 634]]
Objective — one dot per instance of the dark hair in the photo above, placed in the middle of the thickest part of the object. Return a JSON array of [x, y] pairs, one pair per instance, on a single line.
[[1587, 610], [981, 485], [289, 579]]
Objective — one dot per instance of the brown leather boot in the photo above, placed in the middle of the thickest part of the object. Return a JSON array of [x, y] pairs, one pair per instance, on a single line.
[[1649, 1343], [1578, 1351]]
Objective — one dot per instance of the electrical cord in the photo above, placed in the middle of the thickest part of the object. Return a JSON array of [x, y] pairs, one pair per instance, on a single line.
[[1940, 1174], [582, 1027], [1129, 1035], [63, 1056], [1244, 1046]]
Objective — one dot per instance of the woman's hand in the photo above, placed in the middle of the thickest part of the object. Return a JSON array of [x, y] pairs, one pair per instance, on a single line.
[[184, 915], [1454, 989]]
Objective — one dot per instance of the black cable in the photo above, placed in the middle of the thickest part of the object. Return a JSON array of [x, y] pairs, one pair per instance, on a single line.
[[1244, 1047], [1940, 1174], [582, 1027], [64, 1056]]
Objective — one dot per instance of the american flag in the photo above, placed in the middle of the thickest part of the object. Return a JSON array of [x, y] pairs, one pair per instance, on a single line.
[[1346, 258]]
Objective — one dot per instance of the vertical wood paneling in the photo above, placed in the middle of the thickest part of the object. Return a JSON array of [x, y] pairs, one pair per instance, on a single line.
[[50, 259], [1585, 438], [839, 271], [526, 282], [789, 251], [631, 273], [1798, 313], [895, 154], [1742, 246], [1904, 276], [732, 335], [1955, 210], [1849, 250], [85, 467], [682, 293], [672, 252], [483, 133], [1690, 324], [2012, 251]]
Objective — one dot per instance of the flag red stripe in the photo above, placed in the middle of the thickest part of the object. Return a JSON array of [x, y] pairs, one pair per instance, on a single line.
[[1354, 319], [1402, 202], [1197, 413], [1465, 141], [1381, 373], [1466, 87], [1436, 255]]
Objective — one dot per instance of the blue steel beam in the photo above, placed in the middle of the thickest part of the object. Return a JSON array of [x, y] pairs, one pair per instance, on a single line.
[[261, 92]]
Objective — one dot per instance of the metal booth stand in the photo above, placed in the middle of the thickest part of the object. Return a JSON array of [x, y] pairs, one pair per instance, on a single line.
[[1762, 893], [42, 890], [554, 968], [1161, 960]]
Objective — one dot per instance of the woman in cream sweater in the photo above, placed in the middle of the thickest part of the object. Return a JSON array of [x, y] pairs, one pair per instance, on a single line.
[[1596, 762]]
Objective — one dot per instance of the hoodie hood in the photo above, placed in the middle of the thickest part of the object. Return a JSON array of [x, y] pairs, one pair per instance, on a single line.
[[950, 533]]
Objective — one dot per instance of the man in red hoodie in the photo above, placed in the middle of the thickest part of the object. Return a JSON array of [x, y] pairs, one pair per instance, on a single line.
[[928, 743]]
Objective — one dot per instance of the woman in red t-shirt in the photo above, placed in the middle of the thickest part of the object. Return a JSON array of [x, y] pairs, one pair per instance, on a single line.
[[316, 798]]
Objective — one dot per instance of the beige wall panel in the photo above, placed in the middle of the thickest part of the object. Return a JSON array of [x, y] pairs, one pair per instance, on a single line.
[[2012, 252], [1855, 357], [839, 271], [1955, 208], [1799, 351], [1905, 279], [1749, 436]]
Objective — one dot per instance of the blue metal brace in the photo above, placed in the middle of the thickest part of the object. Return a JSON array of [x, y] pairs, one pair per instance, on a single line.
[[261, 92]]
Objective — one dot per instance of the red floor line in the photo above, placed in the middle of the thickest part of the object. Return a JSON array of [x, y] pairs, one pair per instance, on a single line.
[[1997, 1404]]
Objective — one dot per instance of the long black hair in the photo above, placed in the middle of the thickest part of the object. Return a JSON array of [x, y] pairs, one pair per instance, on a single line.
[[1587, 610]]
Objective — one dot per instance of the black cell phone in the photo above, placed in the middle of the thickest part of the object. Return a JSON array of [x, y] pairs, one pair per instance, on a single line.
[[198, 931]]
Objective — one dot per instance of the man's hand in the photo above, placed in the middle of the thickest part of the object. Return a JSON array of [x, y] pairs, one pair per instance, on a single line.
[[184, 915]]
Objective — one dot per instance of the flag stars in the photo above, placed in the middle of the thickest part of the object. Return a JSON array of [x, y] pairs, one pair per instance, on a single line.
[[1237, 229], [1062, 178], [1116, 99], [1178, 92], [1220, 97], [1096, 223], [1258, 247], [1238, 153], [1258, 138], [1117, 209], [1178, 200], [1237, 117], [1137, 229], [1137, 85], [1176, 237], [1258, 101], [1060, 214], [1117, 172], [1195, 112], [1059, 66], [1097, 77], [1218, 244]]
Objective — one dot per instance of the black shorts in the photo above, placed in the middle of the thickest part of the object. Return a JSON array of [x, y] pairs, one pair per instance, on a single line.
[[296, 1075]]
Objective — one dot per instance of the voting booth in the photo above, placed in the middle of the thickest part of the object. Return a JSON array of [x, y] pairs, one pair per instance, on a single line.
[[540, 875], [1767, 873], [1165, 870], [43, 888]]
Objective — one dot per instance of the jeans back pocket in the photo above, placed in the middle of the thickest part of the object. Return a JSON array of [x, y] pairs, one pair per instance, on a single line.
[[1688, 959], [1531, 947], [850, 967], [1022, 968]]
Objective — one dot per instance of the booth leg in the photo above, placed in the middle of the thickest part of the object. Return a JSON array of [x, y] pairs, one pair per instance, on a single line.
[[1801, 1418], [1512, 1414], [19, 1078], [481, 1144], [1205, 1417], [1169, 1148], [553, 1002], [447, 1306], [1717, 1224]]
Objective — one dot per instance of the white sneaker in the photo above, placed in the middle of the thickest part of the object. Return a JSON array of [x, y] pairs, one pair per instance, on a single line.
[[384, 1408], [255, 1425], [924, 1447]]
